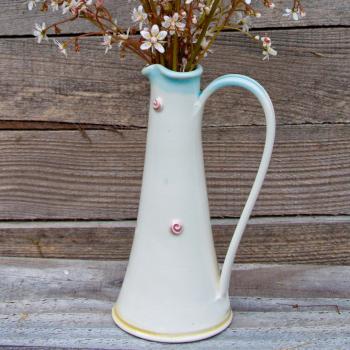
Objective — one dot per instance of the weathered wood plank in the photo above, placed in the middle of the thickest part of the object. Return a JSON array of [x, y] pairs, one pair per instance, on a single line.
[[324, 240], [67, 175], [94, 328], [70, 307], [101, 280], [38, 84], [319, 12]]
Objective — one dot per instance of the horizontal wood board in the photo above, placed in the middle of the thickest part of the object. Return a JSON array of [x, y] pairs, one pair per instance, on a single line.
[[319, 12], [96, 175], [316, 240], [70, 307], [308, 81]]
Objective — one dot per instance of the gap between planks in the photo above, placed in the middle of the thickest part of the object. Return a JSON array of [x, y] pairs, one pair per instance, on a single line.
[[34, 125], [255, 29], [314, 219]]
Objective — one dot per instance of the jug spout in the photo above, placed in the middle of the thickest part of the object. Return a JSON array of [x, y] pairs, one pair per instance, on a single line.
[[172, 82]]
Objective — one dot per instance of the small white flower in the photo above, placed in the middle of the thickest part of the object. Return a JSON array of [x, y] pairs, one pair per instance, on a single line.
[[173, 24], [205, 41], [32, 4], [66, 6], [62, 47], [295, 14], [154, 39], [40, 32], [244, 21], [123, 37], [54, 5], [267, 49], [107, 42], [248, 2], [187, 2], [138, 15], [207, 10], [201, 5], [74, 6]]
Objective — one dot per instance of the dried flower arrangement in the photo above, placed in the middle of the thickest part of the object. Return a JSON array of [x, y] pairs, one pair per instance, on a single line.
[[176, 34]]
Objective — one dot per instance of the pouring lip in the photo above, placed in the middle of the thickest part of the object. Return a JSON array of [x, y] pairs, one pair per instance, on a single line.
[[172, 74]]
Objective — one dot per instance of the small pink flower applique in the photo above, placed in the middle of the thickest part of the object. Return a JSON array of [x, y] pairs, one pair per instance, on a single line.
[[158, 104], [176, 227]]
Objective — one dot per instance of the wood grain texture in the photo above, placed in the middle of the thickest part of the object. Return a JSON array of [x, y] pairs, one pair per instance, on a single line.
[[38, 84], [319, 12], [324, 240], [97, 175], [70, 307], [64, 277]]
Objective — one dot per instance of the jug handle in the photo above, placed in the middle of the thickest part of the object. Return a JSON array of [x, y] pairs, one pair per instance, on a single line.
[[254, 87]]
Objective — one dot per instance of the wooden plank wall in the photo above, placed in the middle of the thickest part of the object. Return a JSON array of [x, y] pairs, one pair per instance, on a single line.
[[72, 137]]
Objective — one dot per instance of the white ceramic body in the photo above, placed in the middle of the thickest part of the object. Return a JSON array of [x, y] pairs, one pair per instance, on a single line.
[[173, 290]]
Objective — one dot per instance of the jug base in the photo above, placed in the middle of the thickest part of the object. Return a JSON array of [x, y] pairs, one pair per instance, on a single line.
[[171, 337]]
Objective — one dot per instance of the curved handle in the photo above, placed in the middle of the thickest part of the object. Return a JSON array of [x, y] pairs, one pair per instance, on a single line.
[[261, 94]]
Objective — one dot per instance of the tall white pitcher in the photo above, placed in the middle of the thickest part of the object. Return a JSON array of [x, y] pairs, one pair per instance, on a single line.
[[173, 290]]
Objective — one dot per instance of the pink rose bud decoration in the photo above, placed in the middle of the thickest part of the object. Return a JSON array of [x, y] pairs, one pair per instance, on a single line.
[[157, 104], [176, 227]]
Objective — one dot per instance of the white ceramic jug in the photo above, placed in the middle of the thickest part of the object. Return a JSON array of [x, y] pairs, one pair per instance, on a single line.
[[173, 290]]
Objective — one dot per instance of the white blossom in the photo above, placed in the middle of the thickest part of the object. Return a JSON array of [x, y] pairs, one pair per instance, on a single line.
[[295, 14], [244, 21], [61, 47], [32, 4], [173, 24], [66, 6], [54, 5], [206, 40], [153, 39], [123, 37], [74, 6], [267, 49], [107, 42], [138, 15], [40, 32]]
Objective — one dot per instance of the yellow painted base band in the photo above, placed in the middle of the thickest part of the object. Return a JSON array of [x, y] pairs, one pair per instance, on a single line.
[[171, 337]]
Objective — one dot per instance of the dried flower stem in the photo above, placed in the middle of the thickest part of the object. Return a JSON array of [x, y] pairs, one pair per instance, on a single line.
[[197, 47], [178, 34]]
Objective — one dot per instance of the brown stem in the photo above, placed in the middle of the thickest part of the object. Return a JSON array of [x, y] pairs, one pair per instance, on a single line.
[[133, 46], [219, 29], [206, 24], [62, 22], [175, 51]]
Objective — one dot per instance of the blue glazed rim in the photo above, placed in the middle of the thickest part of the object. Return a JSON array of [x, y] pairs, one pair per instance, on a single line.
[[172, 74]]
